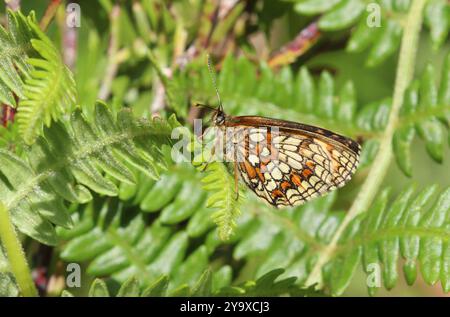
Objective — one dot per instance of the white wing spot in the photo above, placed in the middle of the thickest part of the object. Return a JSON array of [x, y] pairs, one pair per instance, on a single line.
[[257, 137], [265, 152], [270, 166], [293, 141], [271, 185], [295, 164], [289, 147], [278, 140], [276, 174], [254, 160], [284, 168]]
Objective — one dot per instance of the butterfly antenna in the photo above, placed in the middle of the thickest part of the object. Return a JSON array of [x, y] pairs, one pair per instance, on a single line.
[[213, 78]]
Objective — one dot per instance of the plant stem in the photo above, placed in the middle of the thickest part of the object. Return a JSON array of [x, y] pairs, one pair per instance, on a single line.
[[49, 14], [15, 254], [404, 75], [113, 49]]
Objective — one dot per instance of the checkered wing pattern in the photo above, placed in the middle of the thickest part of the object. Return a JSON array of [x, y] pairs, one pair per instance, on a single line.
[[292, 166]]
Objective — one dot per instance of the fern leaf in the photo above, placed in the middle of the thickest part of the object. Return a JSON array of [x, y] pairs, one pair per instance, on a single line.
[[120, 249], [125, 248], [414, 227], [43, 84], [64, 163], [49, 91], [425, 112], [224, 198]]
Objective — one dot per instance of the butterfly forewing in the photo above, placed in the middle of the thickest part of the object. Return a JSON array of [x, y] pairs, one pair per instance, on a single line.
[[287, 163]]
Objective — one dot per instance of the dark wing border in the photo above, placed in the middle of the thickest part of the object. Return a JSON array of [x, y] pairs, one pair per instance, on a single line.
[[295, 127]]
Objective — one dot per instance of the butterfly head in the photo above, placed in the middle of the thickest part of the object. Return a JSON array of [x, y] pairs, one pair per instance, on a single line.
[[219, 117]]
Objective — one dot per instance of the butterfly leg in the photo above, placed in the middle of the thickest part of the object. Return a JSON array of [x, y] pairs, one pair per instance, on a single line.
[[205, 165]]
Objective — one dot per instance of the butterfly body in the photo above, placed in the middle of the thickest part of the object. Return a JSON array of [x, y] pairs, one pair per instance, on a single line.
[[286, 163]]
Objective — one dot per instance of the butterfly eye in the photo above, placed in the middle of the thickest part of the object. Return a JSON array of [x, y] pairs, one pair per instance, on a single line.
[[219, 118]]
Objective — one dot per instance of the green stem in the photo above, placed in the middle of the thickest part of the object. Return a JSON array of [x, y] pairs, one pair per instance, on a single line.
[[15, 254], [49, 14], [113, 49], [404, 75]]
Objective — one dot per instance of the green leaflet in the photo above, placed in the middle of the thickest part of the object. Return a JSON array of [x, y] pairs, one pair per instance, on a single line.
[[386, 42], [98, 289], [342, 15], [325, 96], [187, 202], [270, 283], [161, 193], [65, 162], [158, 288], [437, 18], [130, 288], [361, 37], [14, 49], [193, 266], [313, 7]]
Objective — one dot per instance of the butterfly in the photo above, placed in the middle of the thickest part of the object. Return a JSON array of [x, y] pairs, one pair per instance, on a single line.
[[283, 162]]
